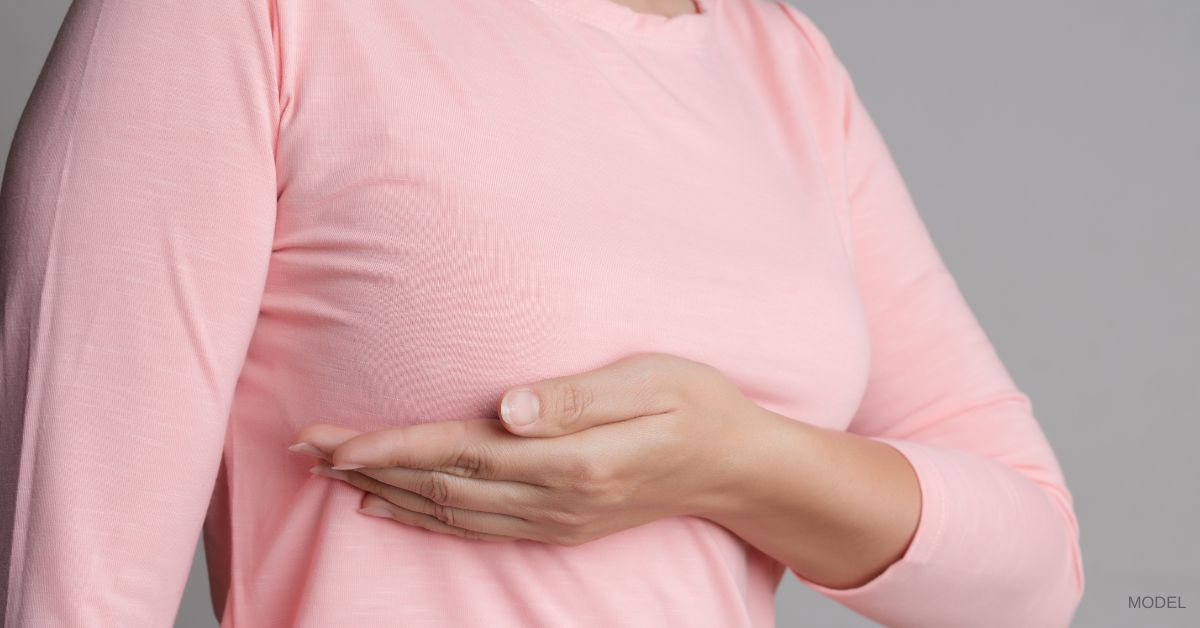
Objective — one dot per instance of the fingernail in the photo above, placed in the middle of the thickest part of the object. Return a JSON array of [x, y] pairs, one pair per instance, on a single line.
[[376, 511], [519, 407], [346, 466], [325, 471], [307, 449]]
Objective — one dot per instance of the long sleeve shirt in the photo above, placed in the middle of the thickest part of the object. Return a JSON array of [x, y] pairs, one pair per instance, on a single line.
[[224, 221]]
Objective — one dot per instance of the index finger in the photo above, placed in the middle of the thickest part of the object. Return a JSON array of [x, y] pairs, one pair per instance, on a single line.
[[476, 448]]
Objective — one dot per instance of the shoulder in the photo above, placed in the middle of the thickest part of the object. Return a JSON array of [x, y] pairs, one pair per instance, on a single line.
[[780, 25], [791, 52], [788, 44]]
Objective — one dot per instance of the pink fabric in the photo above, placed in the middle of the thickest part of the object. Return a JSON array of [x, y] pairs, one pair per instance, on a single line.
[[227, 220]]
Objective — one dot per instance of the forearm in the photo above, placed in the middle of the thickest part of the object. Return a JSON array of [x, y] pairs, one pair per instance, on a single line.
[[836, 507]]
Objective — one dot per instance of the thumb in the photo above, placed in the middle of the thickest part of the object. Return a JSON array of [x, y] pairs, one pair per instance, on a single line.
[[625, 389]]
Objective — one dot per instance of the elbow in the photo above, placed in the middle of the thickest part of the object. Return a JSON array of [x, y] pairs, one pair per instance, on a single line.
[[1059, 590], [1069, 595], [1074, 587], [1077, 578], [1065, 595]]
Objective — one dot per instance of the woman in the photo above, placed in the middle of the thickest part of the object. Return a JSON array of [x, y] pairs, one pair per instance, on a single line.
[[353, 229]]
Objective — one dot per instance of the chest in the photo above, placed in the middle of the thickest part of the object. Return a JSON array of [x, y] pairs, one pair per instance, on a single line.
[[456, 220]]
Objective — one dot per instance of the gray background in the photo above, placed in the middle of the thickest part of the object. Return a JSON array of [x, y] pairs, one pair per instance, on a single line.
[[1054, 152]]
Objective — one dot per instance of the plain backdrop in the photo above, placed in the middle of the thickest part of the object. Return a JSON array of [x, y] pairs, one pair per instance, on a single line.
[[1053, 150]]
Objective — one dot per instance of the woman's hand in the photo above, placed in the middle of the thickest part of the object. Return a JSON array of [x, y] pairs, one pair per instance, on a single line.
[[648, 436]]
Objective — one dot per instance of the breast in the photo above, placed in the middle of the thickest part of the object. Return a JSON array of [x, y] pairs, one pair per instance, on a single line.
[[435, 246]]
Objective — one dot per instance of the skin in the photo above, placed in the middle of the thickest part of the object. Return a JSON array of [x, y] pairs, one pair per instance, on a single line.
[[668, 8], [648, 436]]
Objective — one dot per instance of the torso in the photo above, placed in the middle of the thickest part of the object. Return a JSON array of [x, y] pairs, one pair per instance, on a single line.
[[476, 195]]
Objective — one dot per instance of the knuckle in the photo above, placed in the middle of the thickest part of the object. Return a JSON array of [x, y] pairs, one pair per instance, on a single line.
[[435, 488], [573, 399], [601, 490], [582, 472], [597, 493], [707, 378], [469, 461], [609, 499], [653, 382], [643, 367], [596, 488], [656, 366], [565, 517], [443, 513]]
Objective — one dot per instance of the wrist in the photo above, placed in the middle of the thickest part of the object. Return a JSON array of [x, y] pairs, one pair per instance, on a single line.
[[761, 448]]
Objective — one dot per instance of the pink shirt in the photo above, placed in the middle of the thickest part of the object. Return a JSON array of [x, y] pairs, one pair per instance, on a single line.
[[228, 220]]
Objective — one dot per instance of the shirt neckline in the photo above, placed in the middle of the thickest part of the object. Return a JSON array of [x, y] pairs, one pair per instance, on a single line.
[[621, 20]]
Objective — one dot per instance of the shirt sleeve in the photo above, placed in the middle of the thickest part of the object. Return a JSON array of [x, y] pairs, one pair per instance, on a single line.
[[997, 540], [138, 207]]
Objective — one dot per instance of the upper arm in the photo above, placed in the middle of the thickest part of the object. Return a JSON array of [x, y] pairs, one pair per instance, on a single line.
[[138, 207], [993, 491]]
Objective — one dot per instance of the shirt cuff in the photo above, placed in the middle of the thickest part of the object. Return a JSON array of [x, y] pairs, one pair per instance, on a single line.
[[925, 542]]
